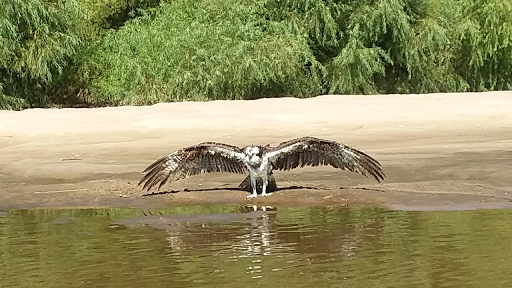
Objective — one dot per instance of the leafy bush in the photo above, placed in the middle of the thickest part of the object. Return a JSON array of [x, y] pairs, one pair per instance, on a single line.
[[198, 50], [385, 46], [484, 55], [36, 40], [141, 52]]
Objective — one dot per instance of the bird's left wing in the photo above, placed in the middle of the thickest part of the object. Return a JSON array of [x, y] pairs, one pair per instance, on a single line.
[[206, 157], [310, 151]]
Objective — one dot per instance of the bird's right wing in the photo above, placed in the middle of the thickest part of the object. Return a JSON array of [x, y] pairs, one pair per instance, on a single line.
[[206, 157], [310, 151]]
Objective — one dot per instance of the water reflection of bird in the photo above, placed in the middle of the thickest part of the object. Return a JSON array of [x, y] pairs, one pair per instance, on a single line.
[[258, 240], [259, 161], [215, 228], [247, 208]]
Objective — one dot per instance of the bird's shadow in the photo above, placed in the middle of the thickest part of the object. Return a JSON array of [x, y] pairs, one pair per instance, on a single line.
[[293, 187]]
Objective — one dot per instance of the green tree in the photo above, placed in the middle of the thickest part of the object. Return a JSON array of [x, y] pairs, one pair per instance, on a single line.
[[484, 56], [140, 52], [197, 50], [385, 46], [36, 42]]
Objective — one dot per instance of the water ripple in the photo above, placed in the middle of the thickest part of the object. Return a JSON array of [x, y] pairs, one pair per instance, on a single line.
[[197, 246]]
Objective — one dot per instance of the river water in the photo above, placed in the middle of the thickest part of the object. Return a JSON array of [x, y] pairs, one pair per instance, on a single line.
[[233, 246]]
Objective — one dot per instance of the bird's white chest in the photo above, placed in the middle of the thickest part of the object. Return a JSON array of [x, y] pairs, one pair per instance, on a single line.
[[257, 166]]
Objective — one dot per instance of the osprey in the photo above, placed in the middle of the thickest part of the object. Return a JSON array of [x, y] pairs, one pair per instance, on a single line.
[[259, 161]]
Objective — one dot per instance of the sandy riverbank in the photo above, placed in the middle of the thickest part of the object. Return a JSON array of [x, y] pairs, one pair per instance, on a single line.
[[439, 151]]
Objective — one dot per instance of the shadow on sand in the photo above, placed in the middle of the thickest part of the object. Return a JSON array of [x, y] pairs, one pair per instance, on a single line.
[[294, 187]]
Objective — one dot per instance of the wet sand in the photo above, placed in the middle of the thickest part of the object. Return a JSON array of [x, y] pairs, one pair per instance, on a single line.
[[439, 151]]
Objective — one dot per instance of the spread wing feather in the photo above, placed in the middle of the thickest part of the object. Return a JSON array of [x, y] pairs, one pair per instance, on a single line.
[[206, 157], [310, 151]]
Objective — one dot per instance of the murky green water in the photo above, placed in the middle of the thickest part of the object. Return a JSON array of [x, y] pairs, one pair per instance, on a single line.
[[217, 246]]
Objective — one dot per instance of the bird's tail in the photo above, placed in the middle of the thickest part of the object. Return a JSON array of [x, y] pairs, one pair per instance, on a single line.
[[246, 184]]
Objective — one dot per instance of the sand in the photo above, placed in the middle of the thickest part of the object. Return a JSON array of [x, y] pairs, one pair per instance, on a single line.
[[439, 151]]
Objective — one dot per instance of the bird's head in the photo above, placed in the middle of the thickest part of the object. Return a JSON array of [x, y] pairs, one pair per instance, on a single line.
[[252, 151]]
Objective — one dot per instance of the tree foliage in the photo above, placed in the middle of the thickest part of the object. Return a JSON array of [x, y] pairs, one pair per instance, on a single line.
[[36, 42], [197, 50], [485, 51], [142, 52]]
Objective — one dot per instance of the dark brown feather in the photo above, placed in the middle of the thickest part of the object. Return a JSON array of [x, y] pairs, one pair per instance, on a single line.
[[310, 151], [202, 158]]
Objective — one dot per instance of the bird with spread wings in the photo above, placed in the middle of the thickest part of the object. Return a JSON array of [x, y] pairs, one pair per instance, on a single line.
[[259, 161]]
